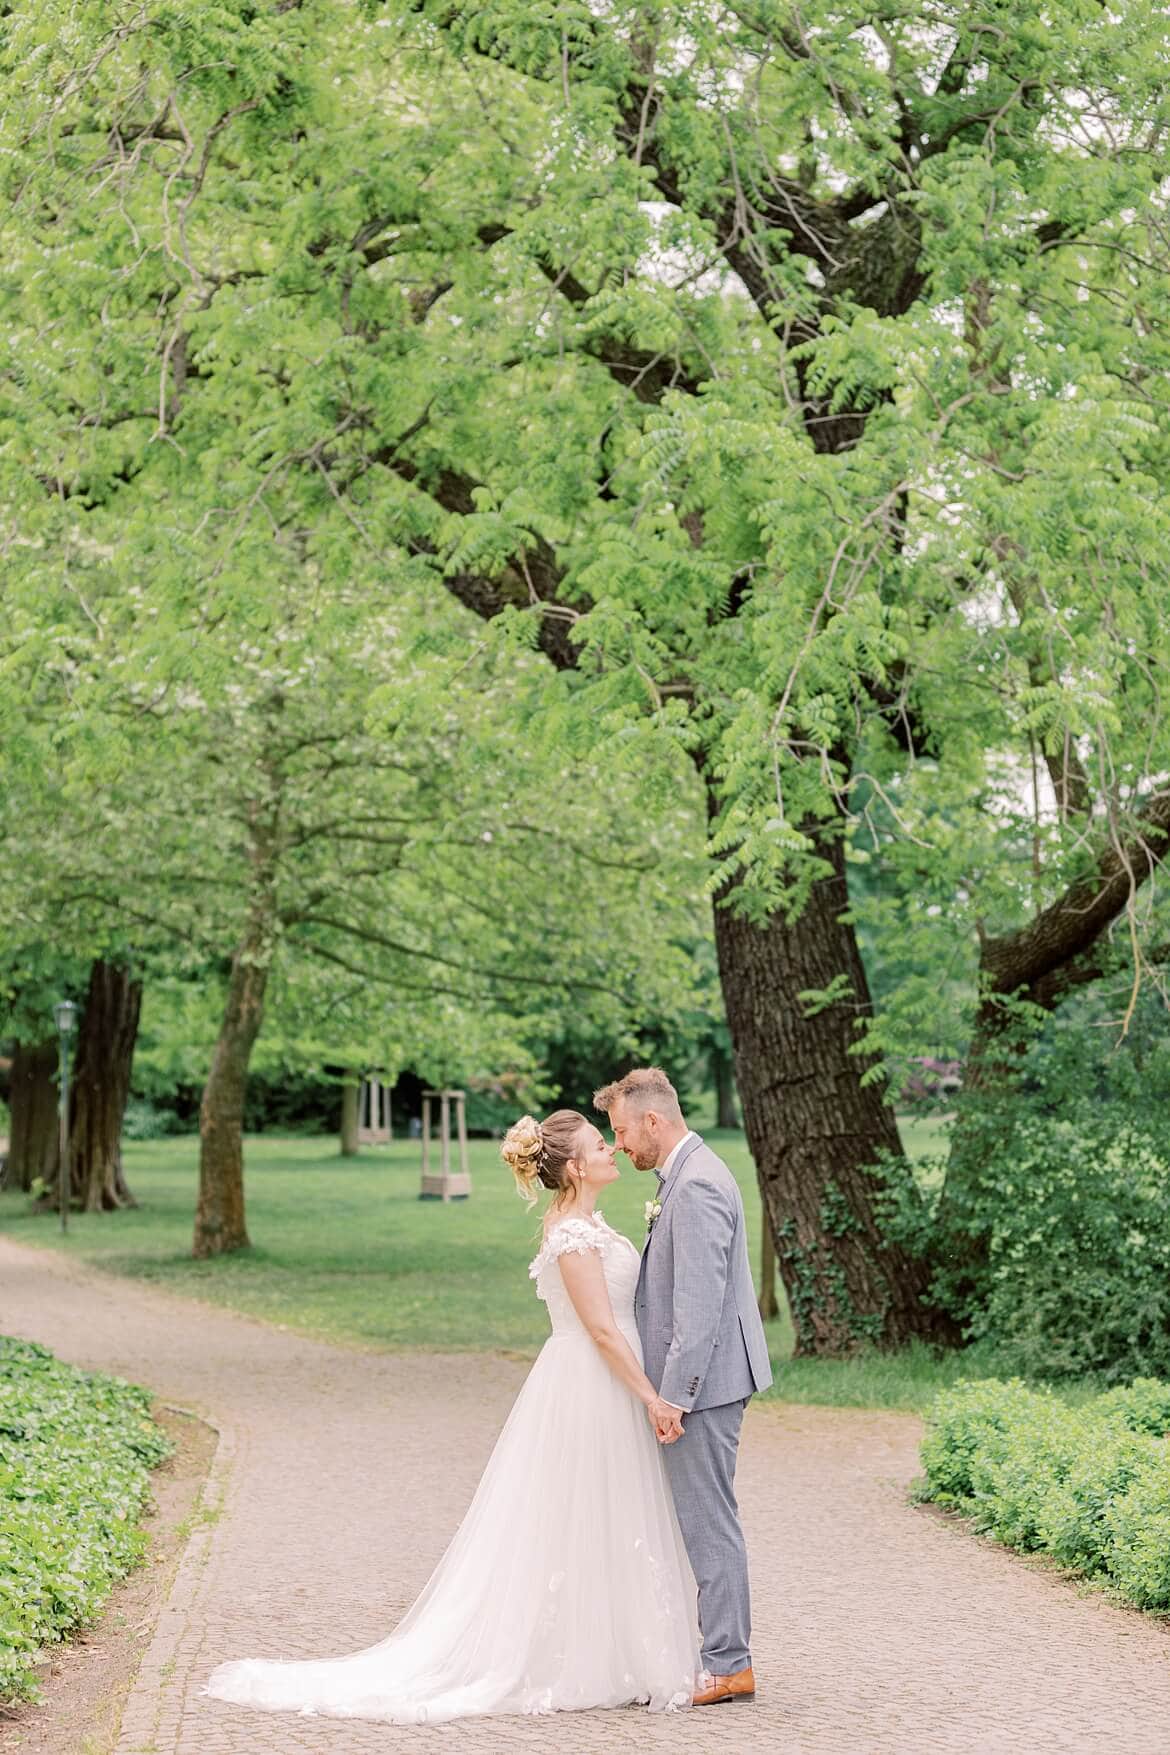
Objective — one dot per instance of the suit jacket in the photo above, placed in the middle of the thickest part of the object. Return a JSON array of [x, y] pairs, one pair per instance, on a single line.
[[702, 1339]]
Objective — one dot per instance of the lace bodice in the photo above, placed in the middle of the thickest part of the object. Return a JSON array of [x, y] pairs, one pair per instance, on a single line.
[[619, 1260]]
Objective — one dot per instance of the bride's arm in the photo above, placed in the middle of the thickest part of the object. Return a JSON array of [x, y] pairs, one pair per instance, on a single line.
[[584, 1278]]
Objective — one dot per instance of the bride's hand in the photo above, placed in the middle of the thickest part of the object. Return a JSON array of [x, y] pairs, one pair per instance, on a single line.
[[666, 1421]]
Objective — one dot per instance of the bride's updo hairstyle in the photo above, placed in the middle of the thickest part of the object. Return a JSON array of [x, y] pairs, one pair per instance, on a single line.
[[538, 1152]]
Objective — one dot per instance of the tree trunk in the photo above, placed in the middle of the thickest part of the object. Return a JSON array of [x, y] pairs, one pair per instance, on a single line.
[[33, 1145], [350, 1115], [725, 1111], [813, 1128], [769, 1304], [219, 1214], [219, 1211], [100, 1087]]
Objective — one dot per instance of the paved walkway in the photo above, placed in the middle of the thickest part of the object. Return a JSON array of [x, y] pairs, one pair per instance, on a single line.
[[880, 1629]]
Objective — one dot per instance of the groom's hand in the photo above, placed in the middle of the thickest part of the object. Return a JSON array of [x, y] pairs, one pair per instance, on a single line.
[[666, 1420]]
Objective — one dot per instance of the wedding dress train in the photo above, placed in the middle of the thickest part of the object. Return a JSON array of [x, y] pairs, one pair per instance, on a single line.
[[566, 1585]]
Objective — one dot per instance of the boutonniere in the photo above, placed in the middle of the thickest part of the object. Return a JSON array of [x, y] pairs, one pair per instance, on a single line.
[[653, 1208]]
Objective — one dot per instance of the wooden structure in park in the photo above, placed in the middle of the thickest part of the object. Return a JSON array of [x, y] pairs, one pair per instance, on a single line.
[[445, 1183], [374, 1113]]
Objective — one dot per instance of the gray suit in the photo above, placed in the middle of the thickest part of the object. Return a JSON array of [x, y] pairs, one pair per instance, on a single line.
[[703, 1345]]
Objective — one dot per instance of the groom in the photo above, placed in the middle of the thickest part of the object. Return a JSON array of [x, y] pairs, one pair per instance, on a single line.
[[703, 1346]]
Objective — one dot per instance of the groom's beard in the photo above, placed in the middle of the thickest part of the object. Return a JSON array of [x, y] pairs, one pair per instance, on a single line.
[[642, 1159]]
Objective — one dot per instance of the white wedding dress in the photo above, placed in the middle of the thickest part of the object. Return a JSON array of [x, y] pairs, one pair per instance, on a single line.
[[566, 1585]]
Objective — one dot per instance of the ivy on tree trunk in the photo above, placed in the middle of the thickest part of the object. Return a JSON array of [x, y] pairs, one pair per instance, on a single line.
[[815, 1134]]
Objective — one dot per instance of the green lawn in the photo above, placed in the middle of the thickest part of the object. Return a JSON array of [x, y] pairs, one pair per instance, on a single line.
[[344, 1249]]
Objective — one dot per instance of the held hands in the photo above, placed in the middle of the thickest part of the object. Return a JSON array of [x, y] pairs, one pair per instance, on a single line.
[[666, 1421]]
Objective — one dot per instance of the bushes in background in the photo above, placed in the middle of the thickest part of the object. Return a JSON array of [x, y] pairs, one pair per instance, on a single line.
[[76, 1451], [1048, 1224], [1075, 1213], [1088, 1485]]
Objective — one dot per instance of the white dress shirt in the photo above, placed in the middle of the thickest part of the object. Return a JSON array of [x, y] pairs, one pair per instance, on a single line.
[[673, 1153]]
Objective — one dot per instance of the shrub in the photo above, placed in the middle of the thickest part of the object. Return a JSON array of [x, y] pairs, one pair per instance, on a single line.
[[1089, 1486], [1014, 1482], [1138, 1556], [144, 1121], [76, 1450], [1054, 1240], [1143, 1405], [1048, 1228], [968, 1424], [1071, 1518]]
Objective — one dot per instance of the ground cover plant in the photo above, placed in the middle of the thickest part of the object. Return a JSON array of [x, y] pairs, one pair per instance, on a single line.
[[1088, 1485], [76, 1451]]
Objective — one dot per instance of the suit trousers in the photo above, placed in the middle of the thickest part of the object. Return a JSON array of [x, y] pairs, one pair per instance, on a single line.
[[701, 1468]]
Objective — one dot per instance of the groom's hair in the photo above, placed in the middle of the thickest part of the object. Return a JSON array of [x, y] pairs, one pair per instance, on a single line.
[[647, 1087]]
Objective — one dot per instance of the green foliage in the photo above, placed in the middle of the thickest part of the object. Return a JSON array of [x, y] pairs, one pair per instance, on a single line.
[[523, 355], [1049, 1223], [1076, 1213], [76, 1451], [969, 1426], [804, 1273], [144, 1120], [1139, 1537], [1142, 1406], [1088, 1485], [800, 388]]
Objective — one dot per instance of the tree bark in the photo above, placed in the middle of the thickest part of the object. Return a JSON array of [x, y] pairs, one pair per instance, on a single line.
[[769, 1304], [813, 1127], [33, 1145], [725, 1110], [219, 1211], [219, 1214], [101, 1085], [350, 1116]]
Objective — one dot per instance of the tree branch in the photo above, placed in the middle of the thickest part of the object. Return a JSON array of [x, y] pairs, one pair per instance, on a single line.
[[1069, 927]]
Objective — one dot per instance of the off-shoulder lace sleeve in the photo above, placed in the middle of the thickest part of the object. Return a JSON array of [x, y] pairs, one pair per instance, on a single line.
[[575, 1235]]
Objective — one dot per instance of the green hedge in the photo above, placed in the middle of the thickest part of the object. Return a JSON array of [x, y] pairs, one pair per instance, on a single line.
[[1088, 1485], [76, 1451]]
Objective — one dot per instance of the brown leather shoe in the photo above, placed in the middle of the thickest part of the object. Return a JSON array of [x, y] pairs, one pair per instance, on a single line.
[[741, 1686]]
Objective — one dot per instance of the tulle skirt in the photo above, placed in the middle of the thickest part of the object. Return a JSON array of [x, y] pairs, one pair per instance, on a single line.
[[566, 1585]]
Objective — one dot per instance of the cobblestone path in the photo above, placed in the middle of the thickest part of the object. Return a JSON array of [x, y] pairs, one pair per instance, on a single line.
[[880, 1629]]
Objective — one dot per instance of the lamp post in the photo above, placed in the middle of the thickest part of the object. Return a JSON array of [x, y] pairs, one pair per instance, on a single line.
[[65, 1015]]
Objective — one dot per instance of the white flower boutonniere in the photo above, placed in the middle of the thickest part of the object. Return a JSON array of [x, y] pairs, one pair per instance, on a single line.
[[653, 1208]]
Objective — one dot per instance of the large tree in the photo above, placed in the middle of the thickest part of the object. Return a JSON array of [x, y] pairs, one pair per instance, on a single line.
[[328, 808], [790, 378]]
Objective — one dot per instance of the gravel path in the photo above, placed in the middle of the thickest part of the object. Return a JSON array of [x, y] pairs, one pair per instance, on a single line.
[[881, 1629]]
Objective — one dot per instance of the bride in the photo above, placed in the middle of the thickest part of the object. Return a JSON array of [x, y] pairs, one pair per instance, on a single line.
[[567, 1584]]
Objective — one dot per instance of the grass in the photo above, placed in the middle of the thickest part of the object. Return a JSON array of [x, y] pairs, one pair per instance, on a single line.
[[344, 1249]]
